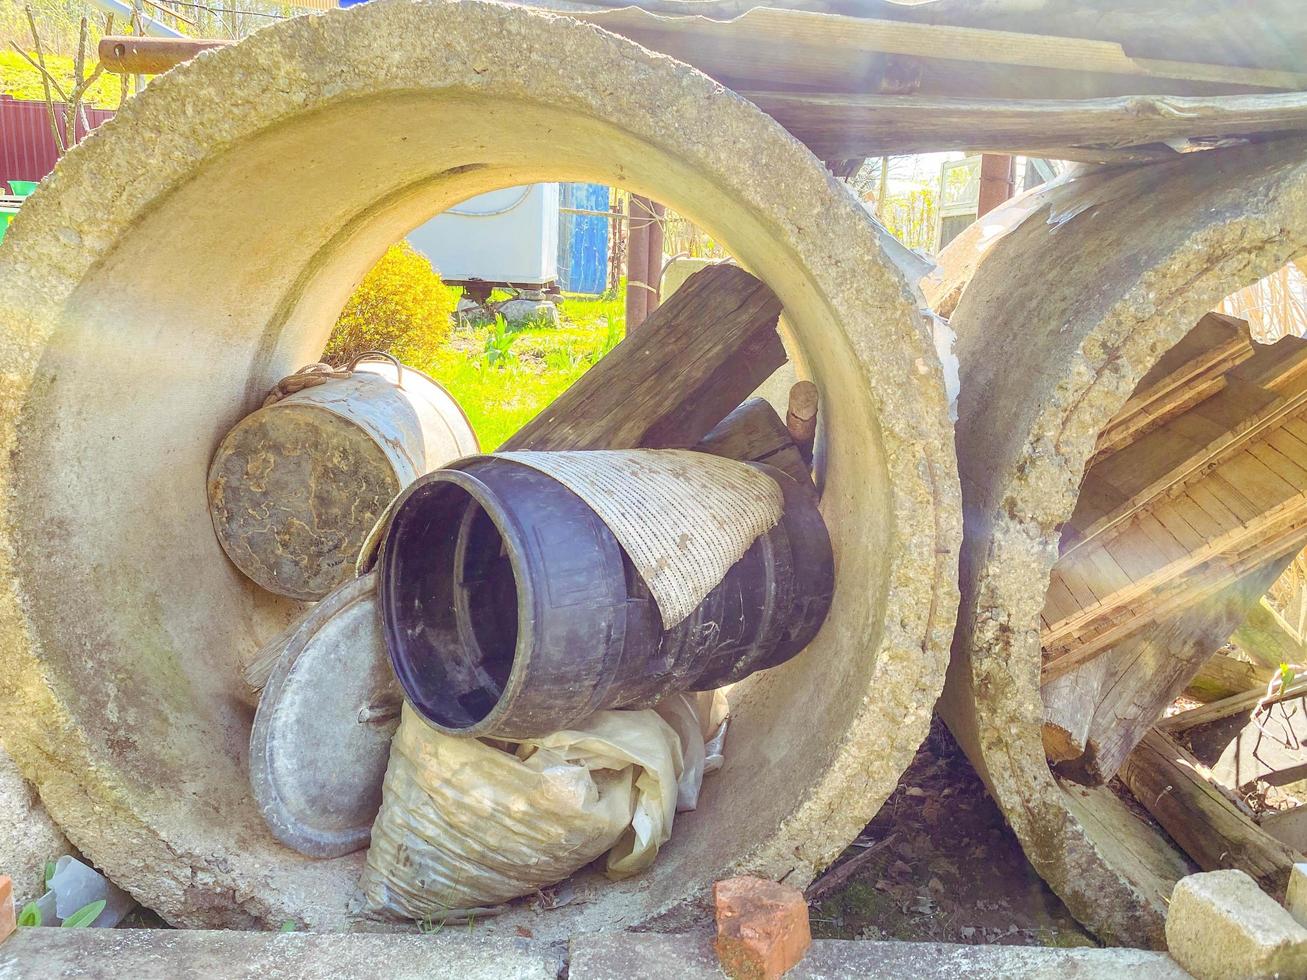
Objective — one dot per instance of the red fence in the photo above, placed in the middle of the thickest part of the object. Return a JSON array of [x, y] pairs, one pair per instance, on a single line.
[[27, 149]]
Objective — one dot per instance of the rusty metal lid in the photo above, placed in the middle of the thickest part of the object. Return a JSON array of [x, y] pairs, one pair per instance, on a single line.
[[322, 732]]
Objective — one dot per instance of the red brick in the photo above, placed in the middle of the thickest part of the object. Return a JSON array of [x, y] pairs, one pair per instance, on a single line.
[[762, 927], [8, 915]]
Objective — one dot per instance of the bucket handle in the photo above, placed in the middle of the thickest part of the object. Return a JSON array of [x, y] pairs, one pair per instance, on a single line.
[[373, 355]]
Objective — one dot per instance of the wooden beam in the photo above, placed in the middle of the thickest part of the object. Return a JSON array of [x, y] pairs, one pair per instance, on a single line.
[[1222, 676], [754, 432], [836, 125], [1069, 704], [1214, 830], [668, 383], [1144, 674]]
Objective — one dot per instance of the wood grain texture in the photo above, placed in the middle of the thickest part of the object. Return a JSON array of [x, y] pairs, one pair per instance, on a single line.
[[668, 383]]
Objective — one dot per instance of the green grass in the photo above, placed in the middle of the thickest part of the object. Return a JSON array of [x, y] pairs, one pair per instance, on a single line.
[[22, 81], [538, 365]]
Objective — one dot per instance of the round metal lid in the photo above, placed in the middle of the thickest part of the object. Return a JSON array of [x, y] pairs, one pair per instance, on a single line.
[[322, 732]]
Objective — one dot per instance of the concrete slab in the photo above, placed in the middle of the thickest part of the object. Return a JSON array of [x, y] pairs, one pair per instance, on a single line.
[[1222, 925], [165, 954], [648, 956]]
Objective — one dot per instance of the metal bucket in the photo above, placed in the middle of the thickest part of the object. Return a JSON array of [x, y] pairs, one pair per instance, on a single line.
[[295, 487]]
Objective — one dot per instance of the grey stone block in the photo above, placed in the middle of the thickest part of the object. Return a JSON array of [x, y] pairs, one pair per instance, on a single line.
[[1221, 925]]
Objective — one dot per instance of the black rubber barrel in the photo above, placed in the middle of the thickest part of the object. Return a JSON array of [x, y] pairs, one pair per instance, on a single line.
[[509, 608]]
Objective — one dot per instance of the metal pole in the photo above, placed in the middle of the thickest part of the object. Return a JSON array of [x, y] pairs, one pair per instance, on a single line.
[[637, 262], [655, 246], [997, 181]]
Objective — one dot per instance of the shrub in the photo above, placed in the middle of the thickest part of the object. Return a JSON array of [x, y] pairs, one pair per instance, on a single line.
[[401, 306]]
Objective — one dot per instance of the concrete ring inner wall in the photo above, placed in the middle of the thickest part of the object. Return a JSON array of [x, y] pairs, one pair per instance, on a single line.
[[199, 246], [1076, 289]]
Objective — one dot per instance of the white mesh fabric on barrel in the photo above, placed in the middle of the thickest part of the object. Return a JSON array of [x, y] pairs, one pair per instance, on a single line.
[[684, 518]]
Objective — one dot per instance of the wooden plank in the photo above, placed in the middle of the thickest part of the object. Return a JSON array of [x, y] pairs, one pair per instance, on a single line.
[[1076, 582], [666, 385], [1058, 601], [1204, 821], [1069, 703], [1212, 505], [1282, 465], [1169, 518], [1196, 517], [1287, 516], [1233, 705], [839, 125]]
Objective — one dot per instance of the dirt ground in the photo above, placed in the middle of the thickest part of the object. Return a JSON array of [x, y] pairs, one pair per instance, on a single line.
[[939, 864]]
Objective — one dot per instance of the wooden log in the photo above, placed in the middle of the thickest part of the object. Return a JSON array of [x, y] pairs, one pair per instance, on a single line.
[[654, 246], [1222, 676], [637, 262], [801, 416], [997, 181], [797, 48], [667, 384], [1214, 831], [755, 432]]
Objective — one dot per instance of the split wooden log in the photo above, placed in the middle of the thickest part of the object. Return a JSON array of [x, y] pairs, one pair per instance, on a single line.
[[1212, 828], [693, 361], [1222, 676], [754, 432], [1069, 705]]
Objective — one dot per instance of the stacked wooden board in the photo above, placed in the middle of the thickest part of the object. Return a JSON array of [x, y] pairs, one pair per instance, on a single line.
[[1194, 501]]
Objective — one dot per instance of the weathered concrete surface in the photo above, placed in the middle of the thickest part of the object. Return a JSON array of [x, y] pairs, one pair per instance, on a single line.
[[196, 249], [28, 837], [1077, 289], [647, 956], [163, 954], [1222, 925]]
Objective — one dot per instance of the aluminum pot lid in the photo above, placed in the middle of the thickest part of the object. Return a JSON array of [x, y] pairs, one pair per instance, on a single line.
[[322, 731]]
